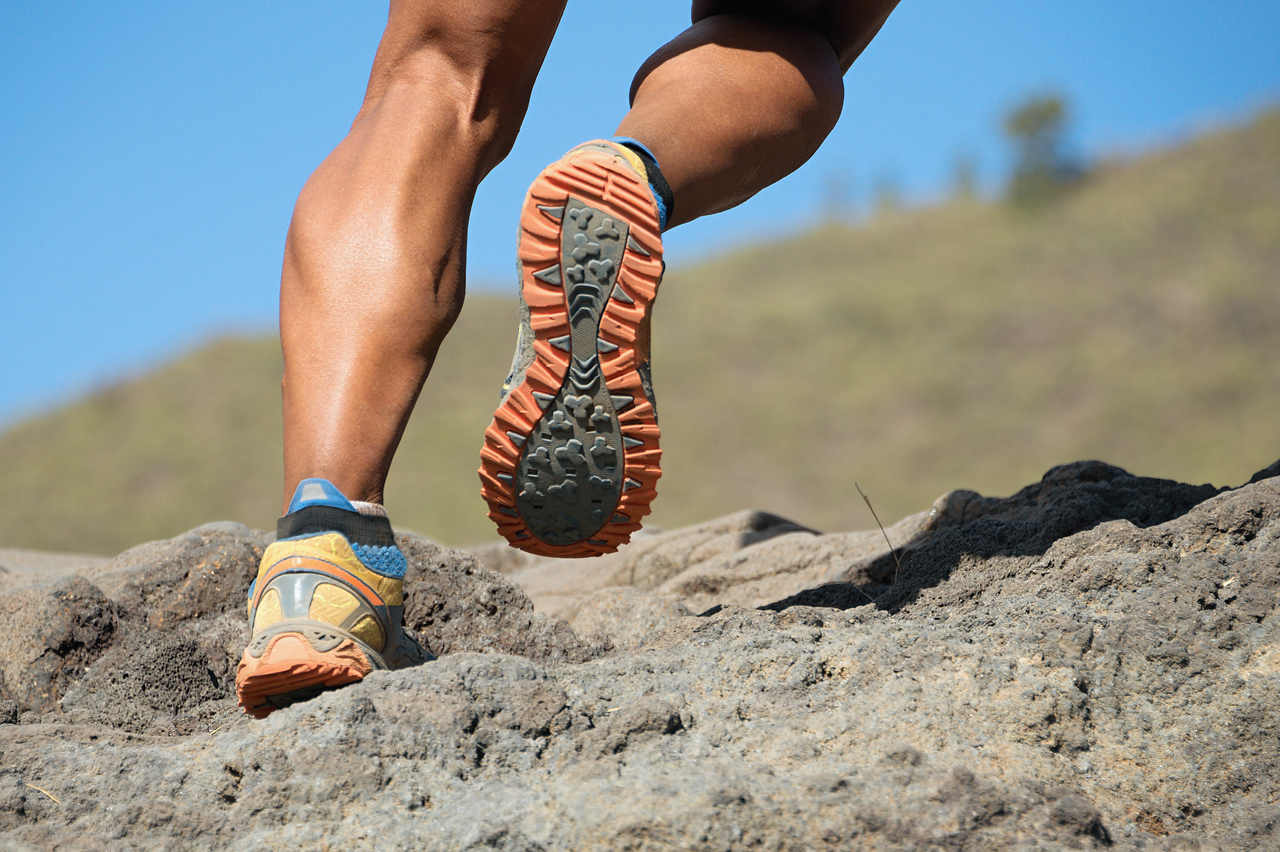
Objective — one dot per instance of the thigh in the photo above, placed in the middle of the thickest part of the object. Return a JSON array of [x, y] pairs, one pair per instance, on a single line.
[[848, 24]]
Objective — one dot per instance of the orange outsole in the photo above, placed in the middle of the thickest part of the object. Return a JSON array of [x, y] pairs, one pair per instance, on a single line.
[[301, 667], [597, 178]]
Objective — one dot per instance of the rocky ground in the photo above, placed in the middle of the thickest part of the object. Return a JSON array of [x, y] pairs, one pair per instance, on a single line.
[[1090, 663]]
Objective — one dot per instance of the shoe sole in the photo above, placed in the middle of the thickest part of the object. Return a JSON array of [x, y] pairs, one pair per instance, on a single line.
[[571, 460], [294, 663]]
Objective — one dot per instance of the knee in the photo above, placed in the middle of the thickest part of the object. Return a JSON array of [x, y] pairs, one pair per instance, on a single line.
[[785, 61], [458, 100], [476, 61]]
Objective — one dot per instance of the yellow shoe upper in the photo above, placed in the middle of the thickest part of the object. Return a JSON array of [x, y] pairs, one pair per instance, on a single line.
[[320, 578], [334, 567]]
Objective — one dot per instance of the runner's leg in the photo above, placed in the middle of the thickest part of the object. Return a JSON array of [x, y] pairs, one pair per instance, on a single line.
[[738, 101], [746, 95], [373, 272]]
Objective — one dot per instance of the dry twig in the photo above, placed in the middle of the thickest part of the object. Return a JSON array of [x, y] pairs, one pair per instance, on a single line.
[[46, 792], [897, 563]]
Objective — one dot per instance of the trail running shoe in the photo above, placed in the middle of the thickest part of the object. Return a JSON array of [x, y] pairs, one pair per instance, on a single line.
[[570, 462], [326, 606]]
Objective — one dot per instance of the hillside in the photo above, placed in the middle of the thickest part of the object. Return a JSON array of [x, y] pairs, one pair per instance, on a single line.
[[960, 346]]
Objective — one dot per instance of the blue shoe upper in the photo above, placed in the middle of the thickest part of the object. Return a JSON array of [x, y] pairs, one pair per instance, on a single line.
[[318, 492], [641, 148]]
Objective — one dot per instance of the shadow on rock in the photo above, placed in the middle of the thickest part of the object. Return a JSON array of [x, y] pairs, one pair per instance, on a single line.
[[992, 537]]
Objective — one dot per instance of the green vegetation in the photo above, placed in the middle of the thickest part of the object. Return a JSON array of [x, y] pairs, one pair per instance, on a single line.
[[1135, 320], [1043, 170]]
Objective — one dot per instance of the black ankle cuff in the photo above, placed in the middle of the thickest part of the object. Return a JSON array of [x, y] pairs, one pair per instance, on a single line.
[[358, 528]]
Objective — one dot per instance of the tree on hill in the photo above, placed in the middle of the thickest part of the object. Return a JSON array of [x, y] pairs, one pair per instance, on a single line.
[[1037, 129]]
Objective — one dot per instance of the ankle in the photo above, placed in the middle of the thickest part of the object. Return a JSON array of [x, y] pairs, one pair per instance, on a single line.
[[658, 185]]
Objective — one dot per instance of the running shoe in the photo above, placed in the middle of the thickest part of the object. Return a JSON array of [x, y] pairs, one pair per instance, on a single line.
[[327, 604], [570, 462]]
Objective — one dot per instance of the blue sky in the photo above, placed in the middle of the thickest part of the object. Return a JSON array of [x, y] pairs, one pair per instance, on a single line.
[[150, 153]]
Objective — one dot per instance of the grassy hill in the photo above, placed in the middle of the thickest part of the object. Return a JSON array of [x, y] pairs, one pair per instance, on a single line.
[[966, 345]]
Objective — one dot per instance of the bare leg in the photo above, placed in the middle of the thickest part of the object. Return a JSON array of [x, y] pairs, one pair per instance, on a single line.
[[740, 100], [374, 261]]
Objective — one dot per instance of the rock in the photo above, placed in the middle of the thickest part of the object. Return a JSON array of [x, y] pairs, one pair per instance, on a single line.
[[167, 621], [1091, 663], [203, 572], [454, 604], [625, 618], [749, 558], [150, 680], [52, 634], [972, 542]]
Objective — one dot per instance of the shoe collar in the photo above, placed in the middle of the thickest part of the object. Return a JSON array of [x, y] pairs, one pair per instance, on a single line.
[[318, 492]]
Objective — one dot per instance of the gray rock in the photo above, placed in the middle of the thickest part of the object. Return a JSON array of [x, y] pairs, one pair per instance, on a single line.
[[149, 681], [696, 565], [625, 618], [1092, 663], [201, 573], [454, 604], [52, 633]]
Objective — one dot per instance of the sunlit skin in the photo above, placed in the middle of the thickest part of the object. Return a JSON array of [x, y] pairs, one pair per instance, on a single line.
[[374, 273]]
